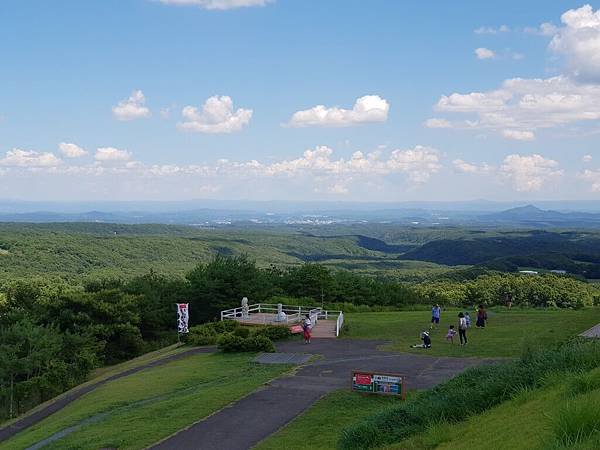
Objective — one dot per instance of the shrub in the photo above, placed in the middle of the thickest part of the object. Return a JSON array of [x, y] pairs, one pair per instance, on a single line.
[[273, 332], [224, 326], [241, 332], [231, 343], [201, 335], [258, 344], [208, 333]]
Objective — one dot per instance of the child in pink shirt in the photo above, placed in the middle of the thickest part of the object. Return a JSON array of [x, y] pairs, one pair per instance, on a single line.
[[450, 334]]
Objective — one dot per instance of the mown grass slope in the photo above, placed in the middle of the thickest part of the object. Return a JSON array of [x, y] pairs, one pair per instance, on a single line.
[[138, 410]]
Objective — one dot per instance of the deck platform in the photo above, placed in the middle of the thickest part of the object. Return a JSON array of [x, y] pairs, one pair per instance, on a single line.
[[262, 319]]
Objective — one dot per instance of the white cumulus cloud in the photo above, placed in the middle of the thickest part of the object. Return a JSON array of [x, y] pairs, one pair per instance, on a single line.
[[131, 108], [369, 108], [529, 173], [492, 30], [437, 123], [218, 4], [71, 150], [462, 166], [592, 177], [579, 41], [519, 135], [216, 117], [25, 158], [105, 154], [484, 53], [587, 158], [523, 106], [419, 162]]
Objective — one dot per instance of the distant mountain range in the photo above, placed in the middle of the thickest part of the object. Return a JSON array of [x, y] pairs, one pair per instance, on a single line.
[[213, 213], [532, 216]]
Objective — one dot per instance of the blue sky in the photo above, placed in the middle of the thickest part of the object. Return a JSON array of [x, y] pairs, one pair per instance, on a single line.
[[122, 86]]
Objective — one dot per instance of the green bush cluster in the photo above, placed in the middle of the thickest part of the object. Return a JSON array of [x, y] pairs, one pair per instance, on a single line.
[[230, 336], [231, 343], [526, 290], [472, 392], [208, 333]]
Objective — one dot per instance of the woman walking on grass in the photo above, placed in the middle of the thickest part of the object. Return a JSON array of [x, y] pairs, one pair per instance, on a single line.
[[462, 329], [481, 317]]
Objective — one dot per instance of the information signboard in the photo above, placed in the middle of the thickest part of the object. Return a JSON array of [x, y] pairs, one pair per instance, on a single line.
[[379, 383]]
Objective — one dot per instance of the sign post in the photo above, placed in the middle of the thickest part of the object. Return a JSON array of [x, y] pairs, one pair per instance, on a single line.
[[378, 383]]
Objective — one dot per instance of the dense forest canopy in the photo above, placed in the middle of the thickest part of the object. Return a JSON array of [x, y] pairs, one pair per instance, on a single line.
[[75, 251]]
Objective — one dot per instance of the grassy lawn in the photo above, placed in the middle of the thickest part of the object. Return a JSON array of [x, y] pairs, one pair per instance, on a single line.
[[320, 426], [145, 407], [527, 422], [505, 335]]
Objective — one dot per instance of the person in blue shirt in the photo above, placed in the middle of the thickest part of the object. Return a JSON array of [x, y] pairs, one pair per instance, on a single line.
[[436, 312]]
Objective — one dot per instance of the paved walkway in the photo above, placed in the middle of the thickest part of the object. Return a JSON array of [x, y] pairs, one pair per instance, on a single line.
[[35, 417], [256, 416]]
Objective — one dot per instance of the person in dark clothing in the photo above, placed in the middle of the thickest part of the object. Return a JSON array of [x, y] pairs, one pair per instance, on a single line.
[[481, 317], [426, 341]]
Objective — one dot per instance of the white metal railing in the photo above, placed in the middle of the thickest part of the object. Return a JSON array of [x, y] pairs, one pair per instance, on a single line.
[[293, 313]]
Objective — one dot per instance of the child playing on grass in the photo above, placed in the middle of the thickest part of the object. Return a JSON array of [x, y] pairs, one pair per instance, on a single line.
[[450, 334], [468, 319], [426, 341]]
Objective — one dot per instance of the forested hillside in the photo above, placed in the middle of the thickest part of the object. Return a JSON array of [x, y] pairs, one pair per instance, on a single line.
[[413, 254]]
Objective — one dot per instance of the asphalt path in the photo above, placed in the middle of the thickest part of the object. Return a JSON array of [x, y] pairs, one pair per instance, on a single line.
[[246, 422]]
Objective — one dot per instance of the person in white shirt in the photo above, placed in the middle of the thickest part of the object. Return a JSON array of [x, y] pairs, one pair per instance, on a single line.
[[462, 329], [306, 327]]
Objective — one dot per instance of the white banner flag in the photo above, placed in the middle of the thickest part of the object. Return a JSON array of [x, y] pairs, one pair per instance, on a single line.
[[182, 317]]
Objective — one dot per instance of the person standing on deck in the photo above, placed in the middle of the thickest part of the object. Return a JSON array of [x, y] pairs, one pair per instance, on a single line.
[[306, 327]]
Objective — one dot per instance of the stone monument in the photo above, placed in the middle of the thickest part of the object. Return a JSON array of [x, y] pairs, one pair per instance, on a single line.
[[245, 310], [281, 316]]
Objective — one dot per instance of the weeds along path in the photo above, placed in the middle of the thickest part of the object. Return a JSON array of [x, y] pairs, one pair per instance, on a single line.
[[64, 400], [246, 422]]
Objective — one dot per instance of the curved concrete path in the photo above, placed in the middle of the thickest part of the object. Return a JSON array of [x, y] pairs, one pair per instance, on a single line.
[[35, 417], [246, 422]]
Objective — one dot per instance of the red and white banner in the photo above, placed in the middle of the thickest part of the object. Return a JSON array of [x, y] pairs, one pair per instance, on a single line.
[[182, 317]]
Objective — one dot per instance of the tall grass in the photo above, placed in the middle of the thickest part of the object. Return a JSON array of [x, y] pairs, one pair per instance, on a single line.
[[472, 392], [583, 383], [576, 421]]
